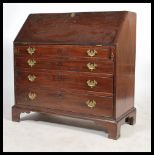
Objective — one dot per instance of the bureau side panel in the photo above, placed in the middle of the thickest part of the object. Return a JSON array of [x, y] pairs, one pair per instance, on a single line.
[[125, 65], [14, 60]]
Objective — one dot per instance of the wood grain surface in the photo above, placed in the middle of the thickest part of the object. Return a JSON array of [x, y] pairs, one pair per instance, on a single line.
[[62, 42]]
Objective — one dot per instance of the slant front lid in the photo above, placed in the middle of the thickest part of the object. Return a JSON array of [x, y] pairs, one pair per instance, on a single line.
[[89, 28]]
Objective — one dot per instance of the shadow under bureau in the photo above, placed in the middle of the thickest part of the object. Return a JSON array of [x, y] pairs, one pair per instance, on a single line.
[[80, 65]]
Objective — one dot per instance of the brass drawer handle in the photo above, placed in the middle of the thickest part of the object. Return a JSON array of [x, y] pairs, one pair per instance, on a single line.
[[91, 66], [31, 77], [31, 62], [92, 83], [91, 53], [91, 104], [31, 50], [32, 96]]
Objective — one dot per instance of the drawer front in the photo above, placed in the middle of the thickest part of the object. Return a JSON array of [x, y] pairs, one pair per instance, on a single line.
[[78, 103], [92, 65], [62, 79], [89, 83], [64, 51]]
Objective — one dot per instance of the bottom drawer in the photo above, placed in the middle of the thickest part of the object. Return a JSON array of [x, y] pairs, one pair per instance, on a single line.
[[87, 104]]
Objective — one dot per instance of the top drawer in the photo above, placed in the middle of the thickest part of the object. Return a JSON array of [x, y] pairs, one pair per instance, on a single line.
[[64, 51]]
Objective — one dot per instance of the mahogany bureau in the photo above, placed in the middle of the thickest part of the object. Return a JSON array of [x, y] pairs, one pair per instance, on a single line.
[[79, 65]]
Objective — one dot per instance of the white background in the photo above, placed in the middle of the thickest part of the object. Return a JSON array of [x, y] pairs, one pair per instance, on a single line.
[[29, 135]]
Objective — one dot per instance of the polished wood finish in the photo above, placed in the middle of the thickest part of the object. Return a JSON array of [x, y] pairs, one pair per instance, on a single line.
[[65, 51], [125, 65], [55, 78], [69, 101], [112, 127], [68, 64], [63, 79], [89, 28]]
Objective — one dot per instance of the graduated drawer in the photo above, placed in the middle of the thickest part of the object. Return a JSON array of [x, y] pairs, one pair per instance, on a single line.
[[92, 65], [64, 51], [86, 104], [65, 79]]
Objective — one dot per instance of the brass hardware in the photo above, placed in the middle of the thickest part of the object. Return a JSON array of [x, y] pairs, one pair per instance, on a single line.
[[92, 83], [32, 96], [112, 55], [72, 14], [31, 77], [91, 66], [31, 50], [31, 62], [91, 53], [99, 45], [91, 104]]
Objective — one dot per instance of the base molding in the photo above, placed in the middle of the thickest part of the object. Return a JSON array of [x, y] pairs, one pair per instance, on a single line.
[[112, 127]]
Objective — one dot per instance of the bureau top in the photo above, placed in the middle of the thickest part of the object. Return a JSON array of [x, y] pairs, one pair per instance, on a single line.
[[83, 28]]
